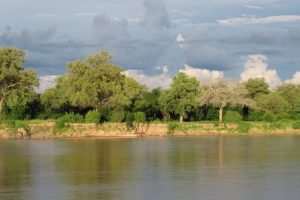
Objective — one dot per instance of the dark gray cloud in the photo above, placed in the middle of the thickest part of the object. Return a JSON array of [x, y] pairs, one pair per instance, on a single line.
[[141, 34], [141, 51]]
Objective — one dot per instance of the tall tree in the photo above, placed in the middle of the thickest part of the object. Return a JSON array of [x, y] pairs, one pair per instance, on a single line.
[[96, 82], [257, 86], [182, 97], [273, 102], [290, 92], [225, 93], [15, 81]]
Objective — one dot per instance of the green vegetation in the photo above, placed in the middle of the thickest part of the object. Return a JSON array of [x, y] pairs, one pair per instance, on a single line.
[[96, 90], [233, 116], [92, 116]]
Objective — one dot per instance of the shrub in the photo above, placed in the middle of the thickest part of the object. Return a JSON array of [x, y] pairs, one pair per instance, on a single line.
[[68, 118], [256, 116], [296, 125], [129, 119], [232, 116], [172, 127], [92, 116], [118, 116], [212, 114], [139, 117], [269, 116]]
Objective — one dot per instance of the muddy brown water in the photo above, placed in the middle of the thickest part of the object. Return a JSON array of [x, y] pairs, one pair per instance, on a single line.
[[216, 167]]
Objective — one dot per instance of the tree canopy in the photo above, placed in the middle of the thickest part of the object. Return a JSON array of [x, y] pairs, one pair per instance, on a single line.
[[16, 84], [223, 93], [181, 98]]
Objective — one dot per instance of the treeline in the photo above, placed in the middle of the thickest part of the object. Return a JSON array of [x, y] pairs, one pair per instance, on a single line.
[[97, 89]]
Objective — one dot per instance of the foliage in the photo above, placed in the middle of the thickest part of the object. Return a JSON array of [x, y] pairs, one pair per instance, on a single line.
[[16, 84], [257, 86], [256, 116], [118, 116], [269, 116], [139, 117], [172, 127], [225, 93], [149, 104], [232, 116], [273, 102], [129, 119], [96, 82], [181, 97], [296, 125], [92, 116], [68, 118]]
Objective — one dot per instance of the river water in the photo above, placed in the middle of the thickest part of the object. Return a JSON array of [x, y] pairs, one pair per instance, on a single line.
[[227, 168]]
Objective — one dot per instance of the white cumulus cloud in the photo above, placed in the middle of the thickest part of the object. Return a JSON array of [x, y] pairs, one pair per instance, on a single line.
[[162, 80], [295, 79], [262, 20], [256, 66], [203, 75], [180, 38]]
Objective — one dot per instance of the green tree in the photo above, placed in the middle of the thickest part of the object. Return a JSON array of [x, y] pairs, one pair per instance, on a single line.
[[290, 92], [257, 86], [149, 104], [182, 97], [222, 93], [16, 84], [93, 83], [273, 102]]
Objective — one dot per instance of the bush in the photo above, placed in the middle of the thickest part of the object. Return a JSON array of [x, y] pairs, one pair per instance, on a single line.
[[232, 116], [269, 116], [92, 116], [139, 117], [296, 125], [256, 116], [118, 116], [172, 127], [129, 119], [68, 118]]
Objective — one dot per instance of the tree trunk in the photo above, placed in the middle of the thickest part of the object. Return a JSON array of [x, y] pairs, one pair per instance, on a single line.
[[221, 114], [166, 117], [181, 118], [1, 104]]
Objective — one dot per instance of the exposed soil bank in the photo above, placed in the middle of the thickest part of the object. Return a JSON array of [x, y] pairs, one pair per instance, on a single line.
[[111, 130]]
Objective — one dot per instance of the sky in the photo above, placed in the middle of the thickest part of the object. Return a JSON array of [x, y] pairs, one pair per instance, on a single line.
[[155, 39]]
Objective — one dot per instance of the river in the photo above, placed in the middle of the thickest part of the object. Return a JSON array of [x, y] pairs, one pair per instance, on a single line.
[[227, 168]]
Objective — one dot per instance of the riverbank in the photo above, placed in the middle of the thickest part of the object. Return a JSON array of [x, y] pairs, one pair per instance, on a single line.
[[48, 130]]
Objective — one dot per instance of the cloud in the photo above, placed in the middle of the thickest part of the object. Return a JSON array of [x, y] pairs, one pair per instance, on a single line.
[[156, 18], [162, 80], [295, 79], [254, 7], [180, 38], [256, 66], [86, 14], [263, 20], [107, 29], [46, 82], [203, 75]]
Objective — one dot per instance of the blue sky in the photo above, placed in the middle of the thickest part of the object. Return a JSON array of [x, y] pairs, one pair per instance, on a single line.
[[145, 36]]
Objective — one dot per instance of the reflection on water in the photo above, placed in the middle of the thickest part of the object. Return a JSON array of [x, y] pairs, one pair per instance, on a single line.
[[155, 168]]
